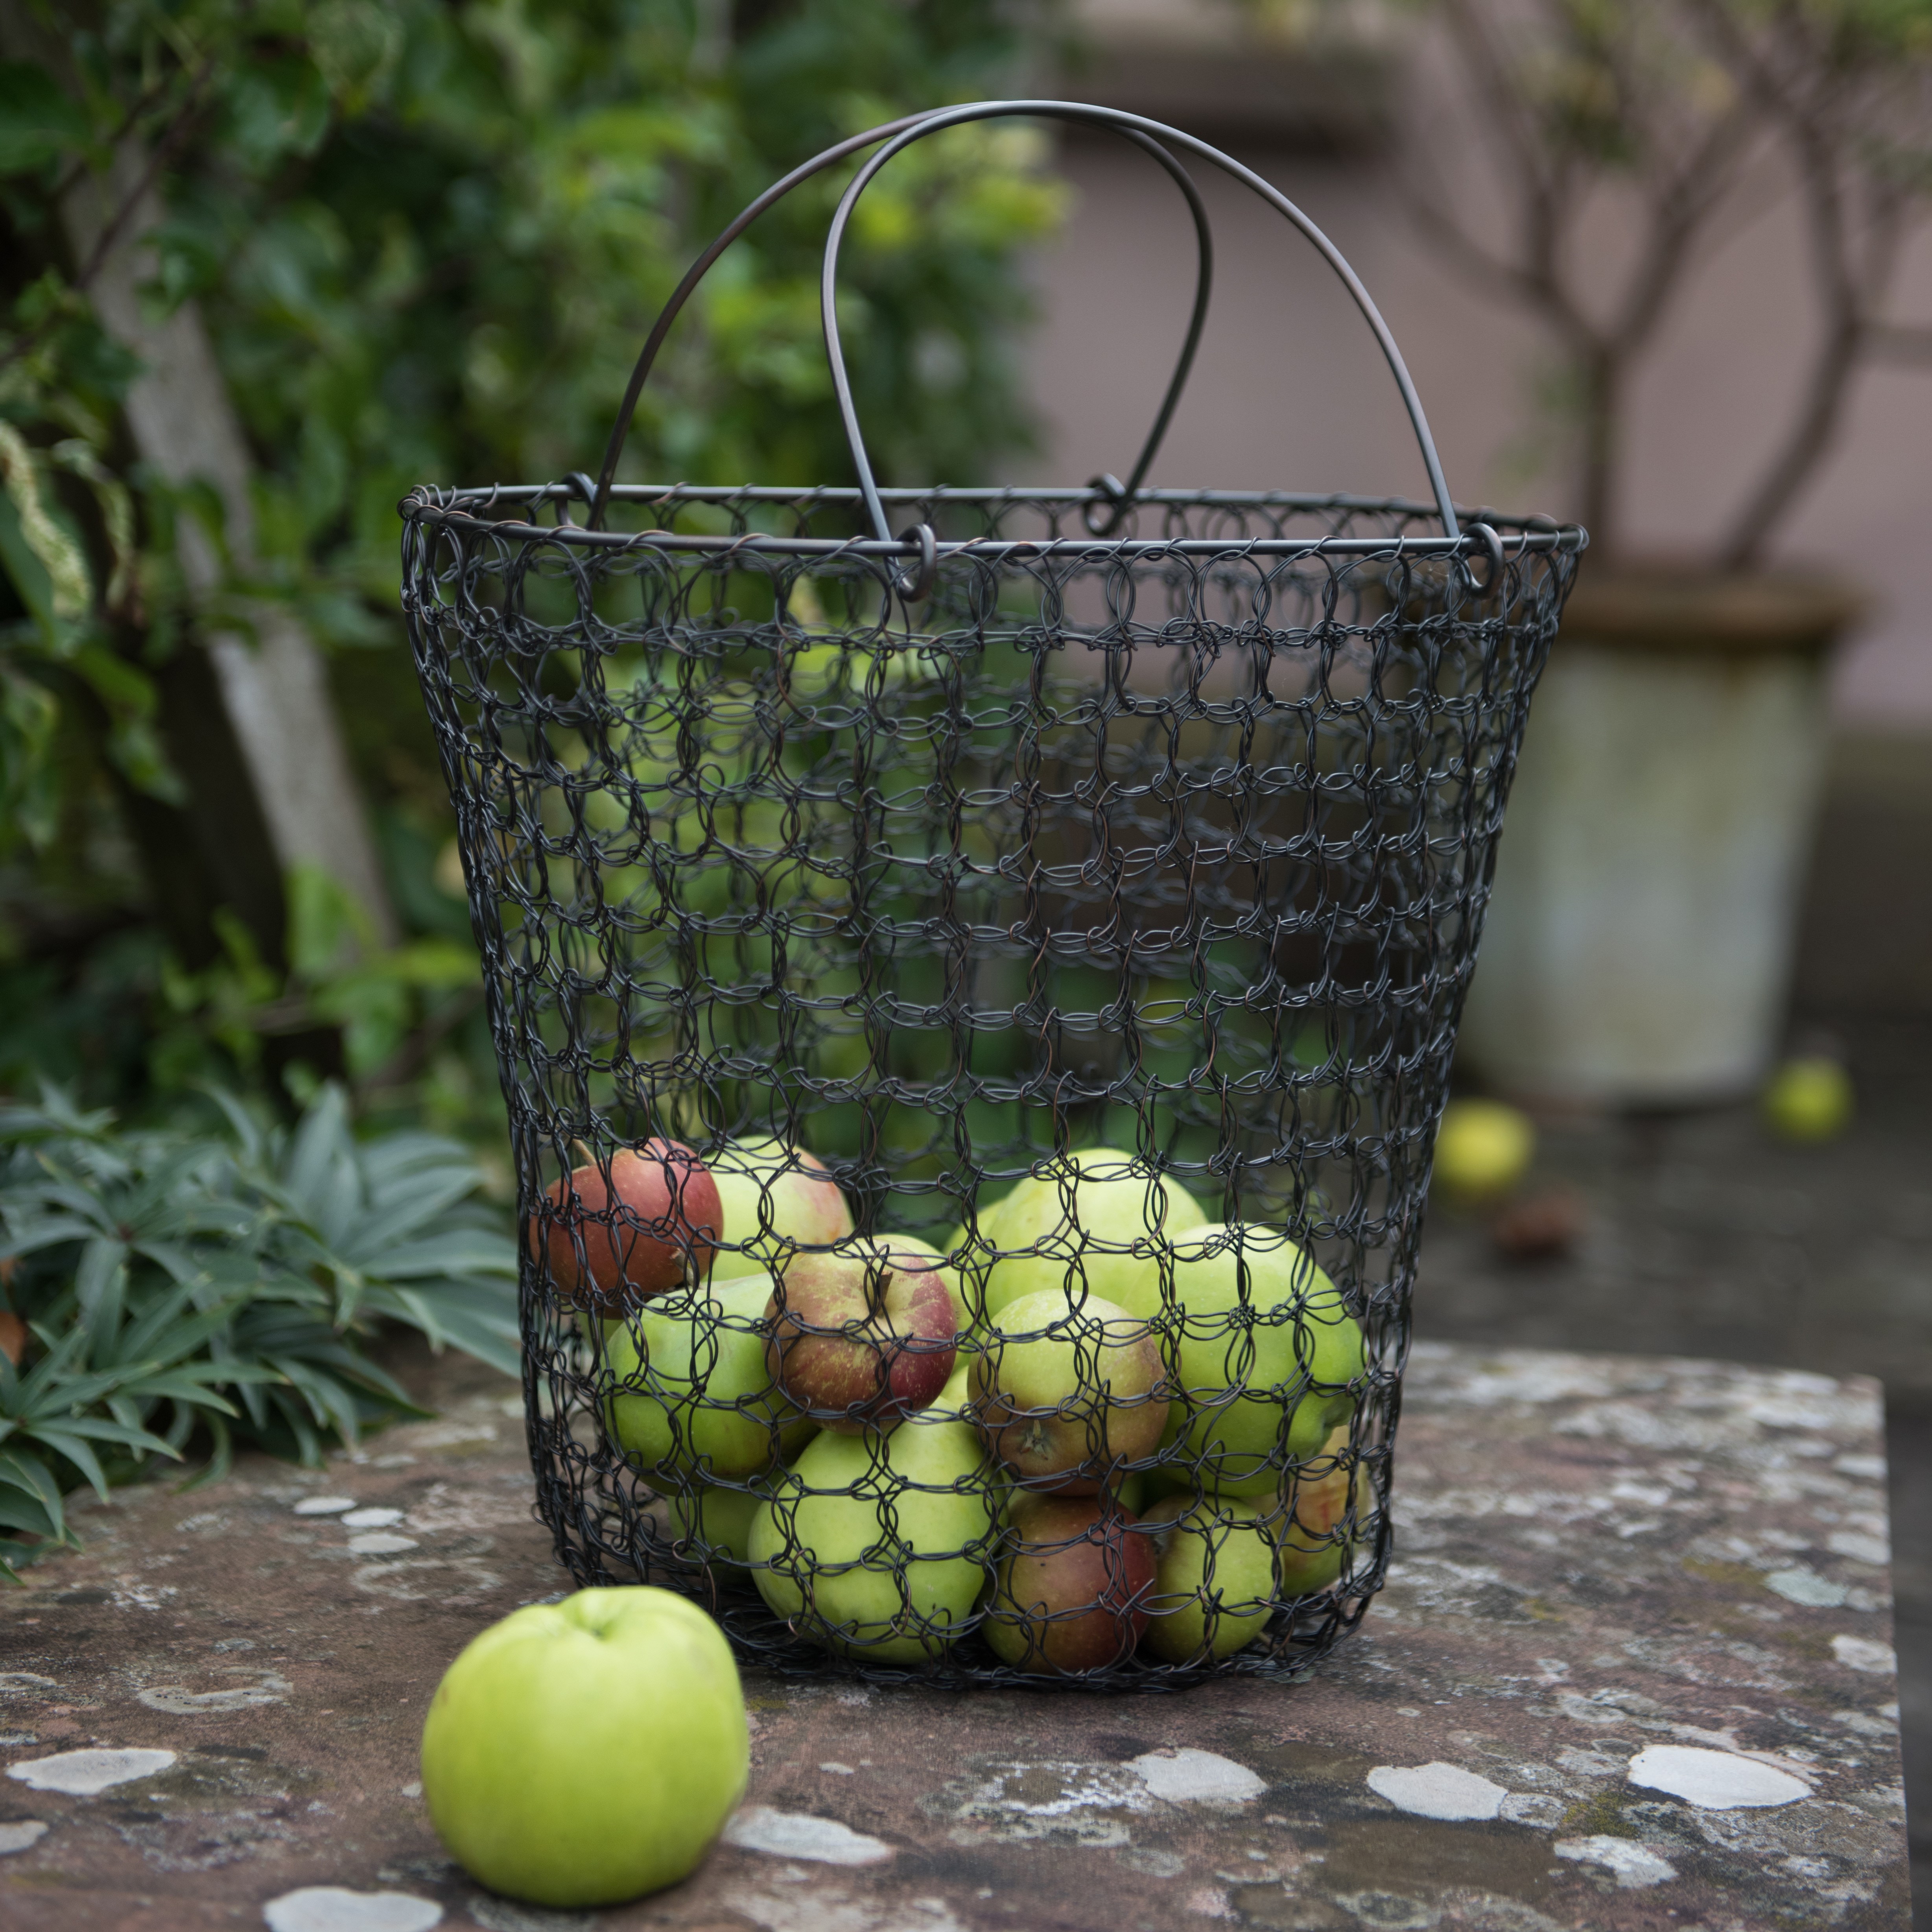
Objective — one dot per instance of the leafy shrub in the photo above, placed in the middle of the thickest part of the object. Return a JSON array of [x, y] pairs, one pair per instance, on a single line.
[[183, 1287]]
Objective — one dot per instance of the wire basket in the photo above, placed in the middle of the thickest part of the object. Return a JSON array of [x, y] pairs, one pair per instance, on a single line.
[[974, 1007]]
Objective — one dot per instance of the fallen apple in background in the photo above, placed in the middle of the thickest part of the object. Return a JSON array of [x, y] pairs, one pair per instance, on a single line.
[[651, 1224], [1540, 1226], [1214, 1581], [863, 1335], [1067, 1395], [1071, 1592], [1260, 1381], [775, 1198], [588, 1752], [877, 1545], [1095, 1221], [1483, 1149], [1808, 1099], [691, 1390]]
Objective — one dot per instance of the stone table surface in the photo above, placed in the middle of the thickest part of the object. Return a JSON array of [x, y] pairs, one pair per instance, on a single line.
[[1626, 1591]]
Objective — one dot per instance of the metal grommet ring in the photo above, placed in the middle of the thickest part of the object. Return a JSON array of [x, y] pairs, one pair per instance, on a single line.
[[916, 587], [1493, 548], [1110, 487]]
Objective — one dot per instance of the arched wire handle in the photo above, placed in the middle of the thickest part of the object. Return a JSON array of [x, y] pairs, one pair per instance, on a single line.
[[1122, 493], [695, 273], [1104, 117]]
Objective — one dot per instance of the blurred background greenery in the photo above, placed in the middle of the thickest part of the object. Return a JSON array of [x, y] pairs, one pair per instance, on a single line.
[[423, 243]]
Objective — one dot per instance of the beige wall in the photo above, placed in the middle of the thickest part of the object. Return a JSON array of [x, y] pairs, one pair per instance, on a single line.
[[1290, 393]]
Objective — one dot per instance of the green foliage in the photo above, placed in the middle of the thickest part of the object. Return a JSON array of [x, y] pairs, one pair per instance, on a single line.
[[427, 238], [185, 1285]]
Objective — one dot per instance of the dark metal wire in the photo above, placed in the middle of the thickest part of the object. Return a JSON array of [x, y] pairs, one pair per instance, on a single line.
[[1177, 842], [1155, 821], [1118, 493], [1148, 132]]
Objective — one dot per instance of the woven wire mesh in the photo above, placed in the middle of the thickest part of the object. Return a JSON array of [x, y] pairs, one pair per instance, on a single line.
[[1138, 880]]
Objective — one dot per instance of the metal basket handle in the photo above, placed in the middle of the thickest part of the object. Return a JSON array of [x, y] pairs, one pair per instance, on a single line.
[[912, 585], [1120, 495]]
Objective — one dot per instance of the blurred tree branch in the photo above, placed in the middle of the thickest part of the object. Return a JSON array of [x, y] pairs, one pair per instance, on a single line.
[[1678, 106], [1849, 82]]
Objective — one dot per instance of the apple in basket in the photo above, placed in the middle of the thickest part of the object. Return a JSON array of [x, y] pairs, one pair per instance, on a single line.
[[877, 1545], [861, 1335], [1066, 1394], [1093, 1221], [718, 1518], [1215, 1579], [690, 1390], [775, 1197], [1313, 1531], [1072, 1591], [615, 1235], [1266, 1360]]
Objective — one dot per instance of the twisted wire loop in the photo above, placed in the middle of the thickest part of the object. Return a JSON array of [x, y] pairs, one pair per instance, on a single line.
[[1175, 843]]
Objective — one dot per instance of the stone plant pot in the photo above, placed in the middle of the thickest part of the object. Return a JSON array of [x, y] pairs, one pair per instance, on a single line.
[[1638, 947]]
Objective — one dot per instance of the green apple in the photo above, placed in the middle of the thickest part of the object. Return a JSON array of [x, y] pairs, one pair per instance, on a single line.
[[693, 1392], [878, 1545], [955, 1398], [1809, 1099], [1096, 1219], [1483, 1149], [1264, 1363], [966, 1261], [1215, 1584], [720, 1519], [585, 1752], [774, 1199], [1067, 1395]]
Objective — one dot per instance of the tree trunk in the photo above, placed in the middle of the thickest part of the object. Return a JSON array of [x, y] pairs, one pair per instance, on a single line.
[[274, 688]]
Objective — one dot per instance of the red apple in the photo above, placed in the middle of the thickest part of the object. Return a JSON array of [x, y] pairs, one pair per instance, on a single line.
[[864, 1335], [616, 1237], [1073, 1591]]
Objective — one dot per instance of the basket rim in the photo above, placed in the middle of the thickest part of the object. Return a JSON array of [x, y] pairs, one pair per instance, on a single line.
[[469, 506]]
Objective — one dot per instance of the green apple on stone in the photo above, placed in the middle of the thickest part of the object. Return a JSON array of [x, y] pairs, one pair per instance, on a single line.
[[1096, 1219], [1215, 1580], [585, 1752], [878, 1545], [693, 1394], [1261, 1379]]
